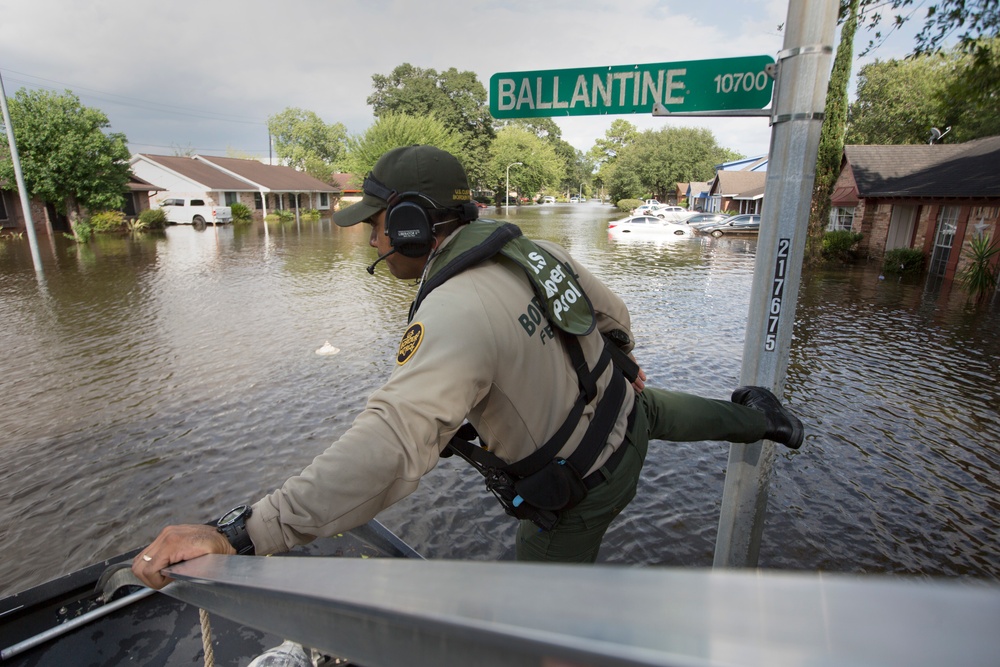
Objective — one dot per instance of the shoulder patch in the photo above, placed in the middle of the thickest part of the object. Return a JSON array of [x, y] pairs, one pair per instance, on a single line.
[[410, 343]]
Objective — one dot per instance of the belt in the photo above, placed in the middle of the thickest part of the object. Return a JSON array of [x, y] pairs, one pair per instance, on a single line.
[[604, 473]]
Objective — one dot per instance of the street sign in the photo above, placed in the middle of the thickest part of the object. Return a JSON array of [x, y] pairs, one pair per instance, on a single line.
[[693, 85]]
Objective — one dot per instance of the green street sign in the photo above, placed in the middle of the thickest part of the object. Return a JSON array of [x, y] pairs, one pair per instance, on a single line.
[[693, 85]]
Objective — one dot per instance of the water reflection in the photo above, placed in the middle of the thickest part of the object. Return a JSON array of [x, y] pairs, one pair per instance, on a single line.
[[164, 378]]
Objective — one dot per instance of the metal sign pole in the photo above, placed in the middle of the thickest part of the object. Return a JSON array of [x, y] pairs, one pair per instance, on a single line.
[[29, 224], [803, 74]]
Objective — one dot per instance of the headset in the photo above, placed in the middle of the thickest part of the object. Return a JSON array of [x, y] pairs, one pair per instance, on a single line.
[[407, 223]]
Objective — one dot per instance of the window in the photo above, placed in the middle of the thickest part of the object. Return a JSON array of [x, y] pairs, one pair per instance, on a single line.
[[258, 201], [131, 207], [3, 206], [232, 198], [943, 239], [324, 200], [197, 202], [841, 218]]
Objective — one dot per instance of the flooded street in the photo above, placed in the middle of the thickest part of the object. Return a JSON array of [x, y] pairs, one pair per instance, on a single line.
[[165, 378]]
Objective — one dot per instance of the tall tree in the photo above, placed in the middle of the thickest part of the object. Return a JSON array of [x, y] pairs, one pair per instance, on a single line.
[[974, 23], [304, 141], [540, 166], [897, 101], [395, 130], [657, 160], [68, 157], [457, 99], [831, 140]]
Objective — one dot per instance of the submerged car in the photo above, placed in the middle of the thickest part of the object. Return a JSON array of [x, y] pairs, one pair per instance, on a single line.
[[670, 213], [738, 224], [647, 225], [698, 218]]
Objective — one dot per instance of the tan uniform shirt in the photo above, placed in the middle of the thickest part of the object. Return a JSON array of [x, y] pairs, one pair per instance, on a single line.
[[483, 352]]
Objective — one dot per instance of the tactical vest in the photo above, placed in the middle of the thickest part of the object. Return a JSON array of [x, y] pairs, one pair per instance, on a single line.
[[540, 485]]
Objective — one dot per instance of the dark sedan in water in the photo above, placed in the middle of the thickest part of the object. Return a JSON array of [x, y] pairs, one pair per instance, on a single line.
[[738, 224]]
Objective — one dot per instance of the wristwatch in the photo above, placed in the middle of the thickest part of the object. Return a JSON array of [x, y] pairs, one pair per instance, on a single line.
[[233, 525]]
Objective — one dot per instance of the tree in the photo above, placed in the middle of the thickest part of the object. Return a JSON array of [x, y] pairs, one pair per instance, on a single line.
[[896, 101], [970, 95], [975, 23], [67, 157], [302, 140], [831, 141], [457, 99], [578, 169], [540, 166], [395, 130], [659, 159]]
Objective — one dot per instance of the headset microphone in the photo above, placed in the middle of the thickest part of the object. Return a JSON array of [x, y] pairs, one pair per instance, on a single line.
[[371, 268]]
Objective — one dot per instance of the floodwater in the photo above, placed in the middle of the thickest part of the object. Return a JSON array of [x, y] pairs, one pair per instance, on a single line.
[[165, 378]]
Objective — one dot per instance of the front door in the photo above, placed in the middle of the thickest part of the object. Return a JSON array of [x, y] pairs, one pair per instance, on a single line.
[[901, 227]]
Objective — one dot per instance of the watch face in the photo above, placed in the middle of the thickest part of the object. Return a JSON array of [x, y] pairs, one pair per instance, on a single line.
[[232, 515]]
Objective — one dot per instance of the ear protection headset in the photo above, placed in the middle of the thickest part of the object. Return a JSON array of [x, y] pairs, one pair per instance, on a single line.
[[407, 223]]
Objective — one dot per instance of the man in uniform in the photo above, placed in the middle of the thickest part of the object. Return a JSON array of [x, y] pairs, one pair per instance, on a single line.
[[510, 336]]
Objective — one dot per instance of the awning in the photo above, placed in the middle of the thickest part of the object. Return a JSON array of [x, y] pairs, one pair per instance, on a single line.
[[845, 196]]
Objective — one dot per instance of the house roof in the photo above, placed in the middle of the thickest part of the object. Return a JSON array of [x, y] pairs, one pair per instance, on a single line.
[[969, 170], [758, 163], [699, 188], [199, 172], [738, 183], [347, 182], [136, 184], [273, 177]]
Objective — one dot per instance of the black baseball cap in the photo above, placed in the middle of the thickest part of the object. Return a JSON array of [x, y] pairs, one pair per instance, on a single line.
[[427, 170]]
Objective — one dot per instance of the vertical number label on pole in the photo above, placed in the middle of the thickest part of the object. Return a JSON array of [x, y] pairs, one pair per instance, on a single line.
[[777, 295]]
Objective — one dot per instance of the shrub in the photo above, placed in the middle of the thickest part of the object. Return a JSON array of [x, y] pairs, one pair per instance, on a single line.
[[107, 221], [627, 205], [82, 231], [904, 261], [283, 215], [153, 218], [839, 245], [241, 213], [979, 277]]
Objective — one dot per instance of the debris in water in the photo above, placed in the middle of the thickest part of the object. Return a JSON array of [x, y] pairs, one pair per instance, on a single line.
[[328, 349]]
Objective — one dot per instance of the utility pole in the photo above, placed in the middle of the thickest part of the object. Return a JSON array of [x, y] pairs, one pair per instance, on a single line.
[[29, 224], [803, 72]]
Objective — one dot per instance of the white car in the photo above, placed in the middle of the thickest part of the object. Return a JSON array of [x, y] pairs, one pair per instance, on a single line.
[[671, 213], [647, 225]]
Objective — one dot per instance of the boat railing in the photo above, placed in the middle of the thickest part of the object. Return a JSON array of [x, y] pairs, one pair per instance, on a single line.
[[391, 612]]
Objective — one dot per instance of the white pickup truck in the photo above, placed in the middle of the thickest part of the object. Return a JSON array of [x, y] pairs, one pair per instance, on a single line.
[[193, 211]]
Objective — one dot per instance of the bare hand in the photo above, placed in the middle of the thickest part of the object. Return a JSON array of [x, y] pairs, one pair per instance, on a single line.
[[175, 544], [640, 378]]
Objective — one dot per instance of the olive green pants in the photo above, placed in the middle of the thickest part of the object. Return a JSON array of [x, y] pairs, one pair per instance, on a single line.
[[660, 415]]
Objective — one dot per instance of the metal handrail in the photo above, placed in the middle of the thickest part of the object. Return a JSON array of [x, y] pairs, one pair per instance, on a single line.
[[391, 612]]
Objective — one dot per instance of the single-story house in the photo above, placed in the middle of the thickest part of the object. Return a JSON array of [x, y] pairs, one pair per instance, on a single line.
[[696, 193], [740, 191], [225, 181], [936, 197], [48, 221]]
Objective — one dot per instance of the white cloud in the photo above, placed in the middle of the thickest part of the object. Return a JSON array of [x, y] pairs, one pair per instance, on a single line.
[[206, 74]]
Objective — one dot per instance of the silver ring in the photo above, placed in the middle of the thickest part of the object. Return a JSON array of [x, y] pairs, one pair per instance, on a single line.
[[146, 558]]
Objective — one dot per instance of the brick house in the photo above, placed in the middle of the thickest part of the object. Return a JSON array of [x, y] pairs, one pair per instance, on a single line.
[[933, 197], [48, 221]]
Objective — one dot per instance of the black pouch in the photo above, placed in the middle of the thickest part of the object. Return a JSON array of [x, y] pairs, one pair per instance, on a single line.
[[501, 485], [555, 487]]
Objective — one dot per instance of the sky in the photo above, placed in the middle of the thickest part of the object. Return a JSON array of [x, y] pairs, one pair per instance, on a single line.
[[203, 76]]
